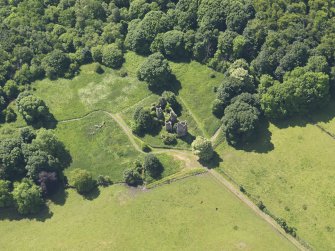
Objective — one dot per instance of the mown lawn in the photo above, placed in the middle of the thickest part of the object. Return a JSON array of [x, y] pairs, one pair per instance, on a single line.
[[192, 214], [97, 144], [294, 176]]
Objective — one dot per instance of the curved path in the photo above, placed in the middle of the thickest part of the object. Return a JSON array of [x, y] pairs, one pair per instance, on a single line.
[[191, 161]]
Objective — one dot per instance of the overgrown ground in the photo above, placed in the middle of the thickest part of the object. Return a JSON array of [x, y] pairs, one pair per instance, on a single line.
[[293, 174], [96, 143], [192, 214]]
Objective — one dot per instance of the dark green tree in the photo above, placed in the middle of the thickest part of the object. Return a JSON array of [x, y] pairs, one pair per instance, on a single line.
[[27, 197], [152, 165], [155, 71]]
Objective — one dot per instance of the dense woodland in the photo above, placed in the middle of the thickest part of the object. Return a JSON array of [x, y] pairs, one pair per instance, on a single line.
[[278, 58]]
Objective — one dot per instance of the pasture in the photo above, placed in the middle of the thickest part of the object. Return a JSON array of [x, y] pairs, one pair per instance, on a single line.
[[291, 170], [191, 214]]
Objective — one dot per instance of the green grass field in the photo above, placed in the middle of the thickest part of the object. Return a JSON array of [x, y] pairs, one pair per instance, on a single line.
[[197, 93], [192, 214], [97, 144], [90, 91], [294, 178]]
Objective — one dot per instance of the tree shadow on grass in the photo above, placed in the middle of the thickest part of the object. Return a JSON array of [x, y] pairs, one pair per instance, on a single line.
[[49, 122], [59, 198], [324, 114], [189, 138], [213, 163], [261, 142], [92, 195], [172, 85], [11, 215]]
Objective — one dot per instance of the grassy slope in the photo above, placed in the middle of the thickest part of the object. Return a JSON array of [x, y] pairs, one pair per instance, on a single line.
[[104, 150], [171, 217], [197, 93], [295, 180]]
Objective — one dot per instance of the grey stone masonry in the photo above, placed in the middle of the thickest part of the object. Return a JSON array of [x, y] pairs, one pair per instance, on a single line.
[[159, 113], [168, 126], [181, 128]]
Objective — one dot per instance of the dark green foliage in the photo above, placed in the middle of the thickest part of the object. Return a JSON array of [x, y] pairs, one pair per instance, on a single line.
[[152, 165], [141, 33], [53, 38], [132, 177], [10, 115], [143, 121], [81, 180], [298, 94], [145, 148], [171, 98], [218, 107], [32, 108], [232, 87], [48, 182], [156, 71], [6, 198], [171, 44], [12, 163], [169, 139], [240, 122], [27, 197], [55, 64], [11, 89], [27, 135], [112, 56], [104, 181], [98, 68], [203, 149]]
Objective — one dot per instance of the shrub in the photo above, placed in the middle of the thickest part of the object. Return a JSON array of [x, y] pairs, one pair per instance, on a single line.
[[152, 165], [169, 139], [132, 177], [218, 108], [82, 181], [203, 148], [98, 68], [104, 181], [145, 147], [171, 98], [123, 73]]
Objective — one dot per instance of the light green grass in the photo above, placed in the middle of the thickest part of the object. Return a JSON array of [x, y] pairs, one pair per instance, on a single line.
[[70, 98], [197, 93], [179, 216], [295, 180], [97, 144], [105, 150]]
